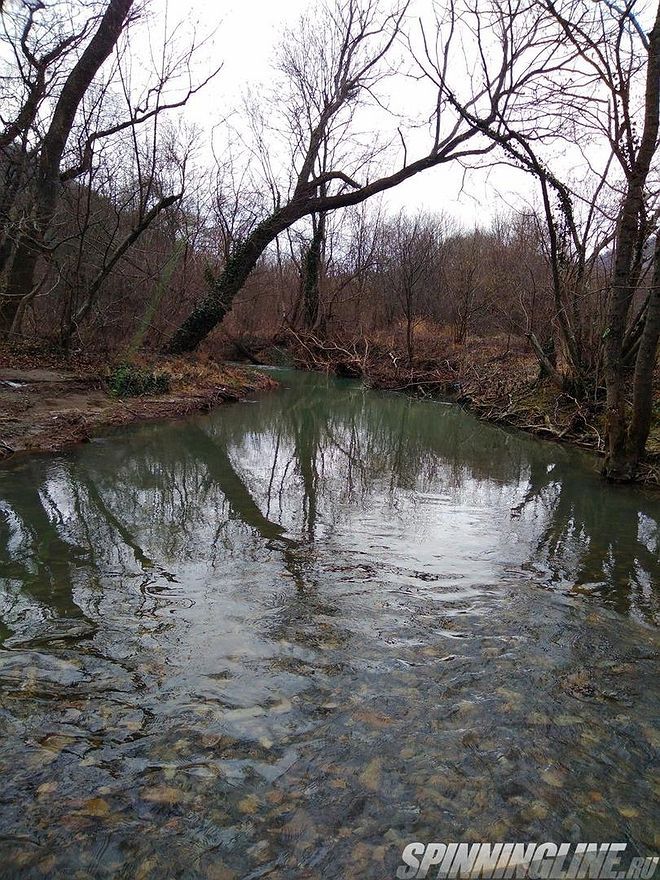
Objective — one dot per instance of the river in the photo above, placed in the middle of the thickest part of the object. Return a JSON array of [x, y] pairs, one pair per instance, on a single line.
[[290, 637]]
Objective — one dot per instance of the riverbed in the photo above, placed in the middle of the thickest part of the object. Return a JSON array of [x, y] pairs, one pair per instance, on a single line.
[[292, 636]]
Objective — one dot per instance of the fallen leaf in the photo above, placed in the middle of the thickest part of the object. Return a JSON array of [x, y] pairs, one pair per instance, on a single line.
[[96, 807], [248, 805], [162, 794]]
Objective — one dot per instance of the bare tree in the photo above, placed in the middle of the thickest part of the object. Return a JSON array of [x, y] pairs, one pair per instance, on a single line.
[[410, 267], [580, 81], [345, 65], [627, 435], [46, 186], [57, 128]]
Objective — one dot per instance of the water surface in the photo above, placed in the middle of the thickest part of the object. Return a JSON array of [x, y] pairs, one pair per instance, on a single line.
[[289, 638]]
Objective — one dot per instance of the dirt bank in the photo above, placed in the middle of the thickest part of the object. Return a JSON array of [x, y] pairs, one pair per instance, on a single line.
[[47, 403]]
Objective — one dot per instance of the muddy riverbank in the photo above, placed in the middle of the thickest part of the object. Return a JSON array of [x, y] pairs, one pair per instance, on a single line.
[[48, 403]]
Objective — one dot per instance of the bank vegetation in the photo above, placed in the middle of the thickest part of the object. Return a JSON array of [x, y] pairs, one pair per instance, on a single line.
[[128, 233]]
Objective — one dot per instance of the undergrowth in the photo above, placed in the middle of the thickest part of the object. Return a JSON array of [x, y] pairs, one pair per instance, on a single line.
[[129, 380]]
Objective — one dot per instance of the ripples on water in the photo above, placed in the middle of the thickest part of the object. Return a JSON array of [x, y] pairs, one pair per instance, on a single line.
[[289, 638]]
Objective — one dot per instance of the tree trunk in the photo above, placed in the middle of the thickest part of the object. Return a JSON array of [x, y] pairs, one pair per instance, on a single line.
[[409, 336], [212, 309], [20, 279], [312, 267], [617, 466], [640, 423], [14, 181], [621, 462], [548, 362]]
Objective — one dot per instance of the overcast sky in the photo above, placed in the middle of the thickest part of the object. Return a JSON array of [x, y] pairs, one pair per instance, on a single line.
[[247, 33]]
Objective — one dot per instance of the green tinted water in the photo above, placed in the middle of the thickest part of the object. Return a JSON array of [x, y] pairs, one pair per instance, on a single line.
[[286, 639]]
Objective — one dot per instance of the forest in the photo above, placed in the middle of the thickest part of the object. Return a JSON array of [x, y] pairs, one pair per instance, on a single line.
[[391, 609], [130, 234]]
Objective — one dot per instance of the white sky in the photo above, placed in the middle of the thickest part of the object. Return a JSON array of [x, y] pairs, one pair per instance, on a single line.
[[247, 34]]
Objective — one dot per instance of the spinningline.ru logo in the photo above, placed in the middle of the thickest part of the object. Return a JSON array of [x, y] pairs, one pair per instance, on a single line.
[[536, 861]]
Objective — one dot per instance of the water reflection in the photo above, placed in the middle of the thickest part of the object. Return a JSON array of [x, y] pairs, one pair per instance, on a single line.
[[305, 631]]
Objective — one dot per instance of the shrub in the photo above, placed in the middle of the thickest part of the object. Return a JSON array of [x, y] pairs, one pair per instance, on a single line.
[[129, 380]]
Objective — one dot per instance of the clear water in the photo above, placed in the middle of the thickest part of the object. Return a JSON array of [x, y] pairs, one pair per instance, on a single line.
[[289, 638]]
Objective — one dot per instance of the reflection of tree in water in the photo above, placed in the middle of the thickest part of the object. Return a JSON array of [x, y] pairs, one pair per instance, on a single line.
[[286, 471], [593, 539], [35, 555], [52, 544], [299, 610]]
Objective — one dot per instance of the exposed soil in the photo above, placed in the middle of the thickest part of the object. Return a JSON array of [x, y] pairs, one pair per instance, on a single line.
[[47, 403]]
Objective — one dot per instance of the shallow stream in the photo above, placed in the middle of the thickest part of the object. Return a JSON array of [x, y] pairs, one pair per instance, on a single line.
[[287, 639]]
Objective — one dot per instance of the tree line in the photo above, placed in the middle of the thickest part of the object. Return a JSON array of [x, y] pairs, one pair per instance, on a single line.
[[114, 226]]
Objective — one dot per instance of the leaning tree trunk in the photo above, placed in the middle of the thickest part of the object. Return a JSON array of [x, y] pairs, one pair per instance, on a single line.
[[212, 309]]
